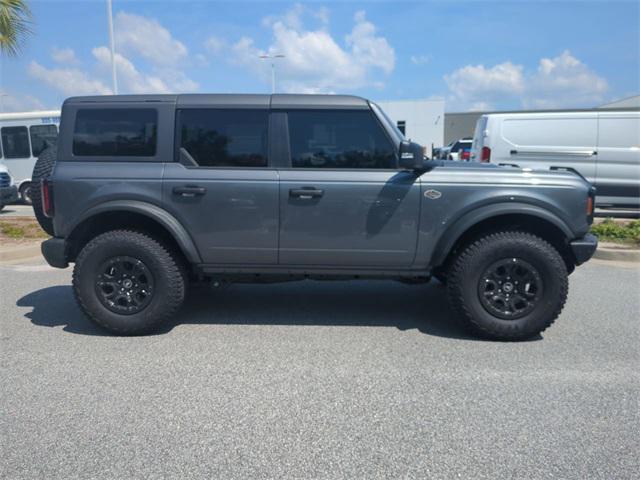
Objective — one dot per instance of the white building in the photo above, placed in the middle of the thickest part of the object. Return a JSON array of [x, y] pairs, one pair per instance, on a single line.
[[420, 120]]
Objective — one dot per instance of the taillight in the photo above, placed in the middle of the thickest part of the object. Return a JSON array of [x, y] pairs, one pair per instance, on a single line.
[[486, 155], [46, 188], [591, 204]]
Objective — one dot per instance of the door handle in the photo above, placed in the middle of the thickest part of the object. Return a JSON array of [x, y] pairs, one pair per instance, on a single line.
[[305, 193], [189, 191]]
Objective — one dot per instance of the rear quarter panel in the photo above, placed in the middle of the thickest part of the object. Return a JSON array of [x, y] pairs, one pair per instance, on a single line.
[[471, 193], [79, 186]]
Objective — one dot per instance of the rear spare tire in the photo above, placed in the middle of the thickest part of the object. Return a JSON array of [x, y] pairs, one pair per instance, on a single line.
[[508, 285], [43, 168]]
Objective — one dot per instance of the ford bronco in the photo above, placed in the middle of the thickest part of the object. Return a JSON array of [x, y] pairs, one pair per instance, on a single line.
[[149, 193]]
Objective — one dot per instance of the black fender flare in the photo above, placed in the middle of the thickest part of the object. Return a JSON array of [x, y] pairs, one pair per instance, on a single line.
[[154, 212], [451, 235]]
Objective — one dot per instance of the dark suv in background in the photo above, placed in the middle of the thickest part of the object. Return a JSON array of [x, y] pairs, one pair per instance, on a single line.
[[149, 193]]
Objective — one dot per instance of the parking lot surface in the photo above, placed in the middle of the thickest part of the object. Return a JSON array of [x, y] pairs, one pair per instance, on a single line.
[[319, 380], [17, 211]]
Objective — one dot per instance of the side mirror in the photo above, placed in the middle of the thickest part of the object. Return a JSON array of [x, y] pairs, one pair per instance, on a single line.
[[411, 156]]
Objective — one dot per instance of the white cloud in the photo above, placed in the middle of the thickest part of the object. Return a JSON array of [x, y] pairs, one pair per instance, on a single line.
[[420, 59], [476, 83], [134, 81], [559, 82], [64, 55], [12, 102], [70, 81], [215, 45], [142, 37], [564, 81], [145, 37], [314, 61]]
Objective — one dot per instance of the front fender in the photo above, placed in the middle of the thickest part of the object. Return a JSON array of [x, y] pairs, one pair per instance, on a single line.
[[449, 237], [154, 212]]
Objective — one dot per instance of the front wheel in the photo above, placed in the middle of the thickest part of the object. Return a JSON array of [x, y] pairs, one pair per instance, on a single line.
[[508, 285], [128, 283]]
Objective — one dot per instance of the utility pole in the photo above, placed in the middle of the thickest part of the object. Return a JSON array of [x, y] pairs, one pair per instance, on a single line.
[[273, 68], [114, 78]]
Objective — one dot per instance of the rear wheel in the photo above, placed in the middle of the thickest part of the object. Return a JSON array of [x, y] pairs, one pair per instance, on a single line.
[[508, 285], [25, 193], [128, 283], [43, 168]]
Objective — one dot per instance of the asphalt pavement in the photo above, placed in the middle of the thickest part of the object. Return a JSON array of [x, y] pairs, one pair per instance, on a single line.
[[17, 211], [319, 380]]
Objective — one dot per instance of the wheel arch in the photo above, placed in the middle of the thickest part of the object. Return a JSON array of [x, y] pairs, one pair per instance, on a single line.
[[496, 217], [134, 215]]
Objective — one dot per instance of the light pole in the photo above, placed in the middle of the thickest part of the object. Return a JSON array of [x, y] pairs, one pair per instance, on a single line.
[[272, 57], [114, 79]]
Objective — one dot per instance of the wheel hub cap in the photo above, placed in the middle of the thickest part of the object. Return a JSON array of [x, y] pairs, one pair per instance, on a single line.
[[124, 285], [510, 288]]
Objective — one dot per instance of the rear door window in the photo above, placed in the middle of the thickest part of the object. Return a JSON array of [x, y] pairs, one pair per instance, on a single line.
[[15, 142], [224, 137], [116, 132], [41, 137], [339, 139]]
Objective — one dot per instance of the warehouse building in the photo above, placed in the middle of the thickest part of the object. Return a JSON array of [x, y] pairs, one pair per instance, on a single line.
[[460, 125], [420, 120]]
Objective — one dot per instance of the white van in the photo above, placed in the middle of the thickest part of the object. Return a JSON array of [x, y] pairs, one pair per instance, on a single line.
[[602, 146], [22, 137]]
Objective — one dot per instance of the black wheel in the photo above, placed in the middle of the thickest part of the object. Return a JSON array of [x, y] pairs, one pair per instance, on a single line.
[[25, 193], [128, 283], [508, 285], [43, 168]]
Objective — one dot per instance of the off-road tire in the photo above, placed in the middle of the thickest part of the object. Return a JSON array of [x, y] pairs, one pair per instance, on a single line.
[[466, 272], [165, 267], [43, 168]]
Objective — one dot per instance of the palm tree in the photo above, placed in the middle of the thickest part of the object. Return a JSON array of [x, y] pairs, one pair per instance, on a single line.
[[15, 25]]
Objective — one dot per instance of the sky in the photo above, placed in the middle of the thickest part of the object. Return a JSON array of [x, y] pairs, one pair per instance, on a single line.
[[476, 55]]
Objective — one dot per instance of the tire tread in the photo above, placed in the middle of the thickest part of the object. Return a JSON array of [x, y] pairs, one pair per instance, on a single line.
[[458, 270], [170, 263]]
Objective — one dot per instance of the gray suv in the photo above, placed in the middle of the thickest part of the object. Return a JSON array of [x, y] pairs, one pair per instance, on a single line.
[[148, 194]]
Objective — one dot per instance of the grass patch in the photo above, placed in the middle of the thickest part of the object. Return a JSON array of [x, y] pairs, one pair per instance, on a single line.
[[21, 229], [610, 231]]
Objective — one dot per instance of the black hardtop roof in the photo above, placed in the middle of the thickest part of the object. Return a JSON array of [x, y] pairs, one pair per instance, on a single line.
[[232, 100]]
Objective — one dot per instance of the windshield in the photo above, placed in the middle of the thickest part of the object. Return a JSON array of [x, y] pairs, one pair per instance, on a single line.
[[391, 127]]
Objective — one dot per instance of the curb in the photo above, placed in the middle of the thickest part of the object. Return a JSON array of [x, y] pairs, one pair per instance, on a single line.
[[617, 253], [20, 252]]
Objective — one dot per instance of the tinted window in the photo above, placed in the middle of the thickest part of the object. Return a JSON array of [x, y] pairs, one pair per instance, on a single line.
[[115, 132], [338, 139], [41, 137], [225, 138], [15, 142]]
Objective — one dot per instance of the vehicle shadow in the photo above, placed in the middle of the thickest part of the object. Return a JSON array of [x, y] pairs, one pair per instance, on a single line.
[[314, 303]]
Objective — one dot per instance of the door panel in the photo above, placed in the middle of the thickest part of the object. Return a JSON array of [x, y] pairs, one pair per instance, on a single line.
[[235, 219], [541, 142], [618, 167], [354, 218]]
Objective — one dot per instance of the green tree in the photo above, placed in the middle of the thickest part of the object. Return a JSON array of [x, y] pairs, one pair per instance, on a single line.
[[15, 25]]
